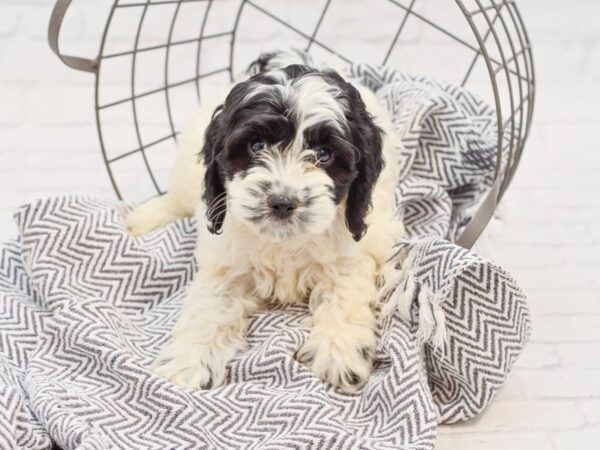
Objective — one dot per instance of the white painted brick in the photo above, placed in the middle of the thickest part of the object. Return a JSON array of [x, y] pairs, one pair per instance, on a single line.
[[538, 356], [570, 329], [11, 199], [590, 410], [12, 107], [530, 255], [544, 233], [513, 389], [594, 62], [524, 415], [38, 179], [565, 196], [588, 256], [586, 439], [60, 141], [574, 59], [496, 441], [9, 18], [567, 302], [554, 177], [571, 137], [590, 215], [560, 22], [37, 16], [77, 161], [8, 230], [572, 105], [61, 105], [446, 442], [557, 278], [561, 383], [10, 159], [32, 62], [551, 158], [584, 357]]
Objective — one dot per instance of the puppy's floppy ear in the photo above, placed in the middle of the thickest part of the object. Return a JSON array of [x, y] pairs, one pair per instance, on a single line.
[[214, 181], [367, 138]]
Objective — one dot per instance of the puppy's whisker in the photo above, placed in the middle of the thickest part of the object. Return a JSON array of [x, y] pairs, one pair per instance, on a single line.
[[217, 204], [217, 199], [218, 209], [221, 195], [217, 212]]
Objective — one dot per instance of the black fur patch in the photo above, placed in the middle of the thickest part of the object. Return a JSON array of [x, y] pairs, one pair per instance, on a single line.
[[252, 110]]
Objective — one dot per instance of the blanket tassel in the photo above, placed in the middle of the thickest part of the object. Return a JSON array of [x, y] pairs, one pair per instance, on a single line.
[[401, 289]]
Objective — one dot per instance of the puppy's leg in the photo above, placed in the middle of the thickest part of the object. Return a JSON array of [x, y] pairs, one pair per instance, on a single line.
[[185, 185], [154, 214], [342, 341], [208, 334], [181, 199]]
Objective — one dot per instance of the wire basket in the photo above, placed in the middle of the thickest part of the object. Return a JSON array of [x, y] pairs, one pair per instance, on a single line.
[[157, 58]]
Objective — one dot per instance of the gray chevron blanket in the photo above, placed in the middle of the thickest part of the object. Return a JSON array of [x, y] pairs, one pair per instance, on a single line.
[[85, 308]]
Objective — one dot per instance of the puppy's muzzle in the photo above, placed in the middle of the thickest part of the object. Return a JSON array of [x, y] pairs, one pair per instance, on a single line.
[[282, 206]]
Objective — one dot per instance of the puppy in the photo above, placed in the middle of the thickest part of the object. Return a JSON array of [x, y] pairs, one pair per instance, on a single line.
[[294, 197]]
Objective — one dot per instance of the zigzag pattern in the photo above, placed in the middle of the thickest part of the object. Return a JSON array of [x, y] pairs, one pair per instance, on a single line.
[[85, 308], [449, 140], [487, 326], [488, 297], [21, 318]]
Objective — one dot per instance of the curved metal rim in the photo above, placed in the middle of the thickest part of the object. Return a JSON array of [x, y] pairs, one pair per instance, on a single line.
[[97, 103], [502, 178], [56, 20], [512, 132]]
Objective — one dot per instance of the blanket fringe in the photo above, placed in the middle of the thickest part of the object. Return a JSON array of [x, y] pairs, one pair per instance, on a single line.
[[432, 318], [401, 289]]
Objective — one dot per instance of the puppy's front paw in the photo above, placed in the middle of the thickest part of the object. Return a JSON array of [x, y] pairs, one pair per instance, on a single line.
[[342, 359], [142, 220], [192, 366], [151, 215]]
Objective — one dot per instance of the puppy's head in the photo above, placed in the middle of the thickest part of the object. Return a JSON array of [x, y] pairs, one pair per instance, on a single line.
[[288, 150]]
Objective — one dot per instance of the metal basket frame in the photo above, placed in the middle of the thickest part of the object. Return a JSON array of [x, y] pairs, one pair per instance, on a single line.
[[513, 115]]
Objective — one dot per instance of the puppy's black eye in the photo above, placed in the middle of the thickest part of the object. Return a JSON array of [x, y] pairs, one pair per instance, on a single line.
[[324, 156], [256, 145]]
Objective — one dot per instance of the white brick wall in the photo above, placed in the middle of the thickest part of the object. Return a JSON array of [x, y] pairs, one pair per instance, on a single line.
[[48, 146], [48, 141]]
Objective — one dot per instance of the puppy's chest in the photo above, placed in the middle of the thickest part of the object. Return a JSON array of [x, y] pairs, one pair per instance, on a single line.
[[285, 278]]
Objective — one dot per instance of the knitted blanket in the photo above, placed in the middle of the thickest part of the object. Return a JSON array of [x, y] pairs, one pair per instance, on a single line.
[[85, 308]]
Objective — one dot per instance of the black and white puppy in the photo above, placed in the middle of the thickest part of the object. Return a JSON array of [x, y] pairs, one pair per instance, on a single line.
[[294, 196]]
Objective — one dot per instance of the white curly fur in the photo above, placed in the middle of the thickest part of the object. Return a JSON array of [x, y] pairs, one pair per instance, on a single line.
[[242, 270]]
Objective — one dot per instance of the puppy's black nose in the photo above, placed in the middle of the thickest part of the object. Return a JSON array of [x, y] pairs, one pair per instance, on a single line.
[[282, 206]]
